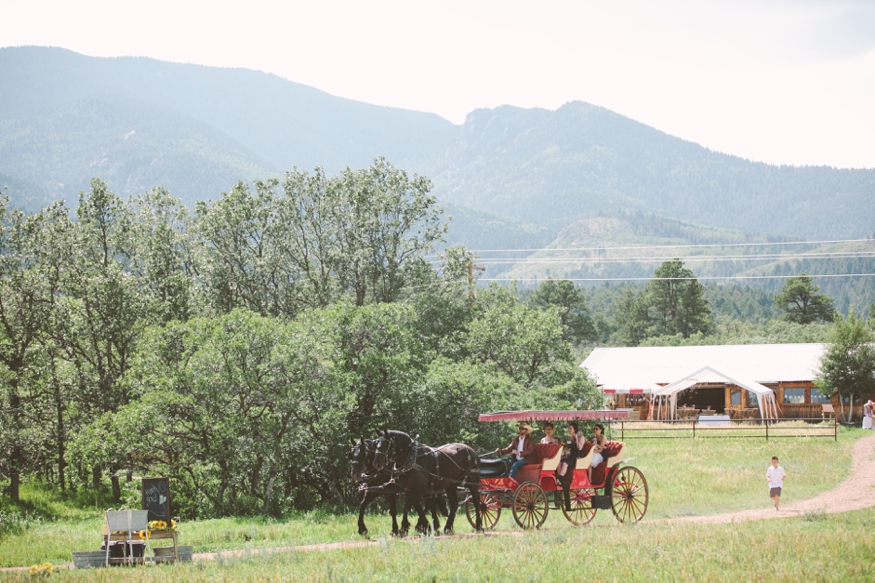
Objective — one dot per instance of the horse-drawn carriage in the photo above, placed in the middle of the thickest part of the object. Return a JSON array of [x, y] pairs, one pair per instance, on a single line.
[[395, 463], [622, 489]]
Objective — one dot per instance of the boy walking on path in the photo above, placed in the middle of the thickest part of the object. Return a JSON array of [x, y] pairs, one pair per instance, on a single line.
[[775, 475]]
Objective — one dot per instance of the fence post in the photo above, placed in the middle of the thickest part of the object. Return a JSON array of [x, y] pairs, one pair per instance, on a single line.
[[835, 428], [767, 430]]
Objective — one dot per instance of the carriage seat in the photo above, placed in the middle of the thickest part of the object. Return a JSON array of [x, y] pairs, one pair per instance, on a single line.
[[546, 454], [496, 468], [614, 453]]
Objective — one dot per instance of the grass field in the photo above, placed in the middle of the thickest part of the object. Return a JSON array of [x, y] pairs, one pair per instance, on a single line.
[[686, 477]]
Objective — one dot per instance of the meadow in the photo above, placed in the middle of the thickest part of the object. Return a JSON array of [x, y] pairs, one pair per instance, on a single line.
[[685, 478]]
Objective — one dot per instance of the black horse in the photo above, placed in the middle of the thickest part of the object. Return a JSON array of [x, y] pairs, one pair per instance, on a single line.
[[424, 471], [361, 456]]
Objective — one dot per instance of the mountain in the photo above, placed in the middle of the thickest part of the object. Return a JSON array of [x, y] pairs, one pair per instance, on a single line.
[[137, 123], [514, 177], [551, 168]]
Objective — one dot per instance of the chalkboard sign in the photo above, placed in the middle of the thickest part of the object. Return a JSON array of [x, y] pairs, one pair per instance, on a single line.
[[156, 498]]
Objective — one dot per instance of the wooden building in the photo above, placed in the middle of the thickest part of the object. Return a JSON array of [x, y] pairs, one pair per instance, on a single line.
[[628, 375]]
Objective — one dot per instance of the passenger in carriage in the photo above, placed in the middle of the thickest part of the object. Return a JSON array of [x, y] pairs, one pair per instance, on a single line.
[[548, 434], [598, 446], [523, 446], [573, 451]]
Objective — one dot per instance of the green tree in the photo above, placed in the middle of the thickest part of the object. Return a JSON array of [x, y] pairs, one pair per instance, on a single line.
[[233, 407], [676, 301], [362, 235], [521, 341], [165, 260], [631, 318], [801, 302], [847, 368], [574, 314], [25, 304], [386, 222], [102, 308], [240, 254]]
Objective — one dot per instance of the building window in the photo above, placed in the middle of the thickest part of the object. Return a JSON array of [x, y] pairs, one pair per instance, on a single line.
[[752, 400], [794, 395], [818, 397], [735, 397]]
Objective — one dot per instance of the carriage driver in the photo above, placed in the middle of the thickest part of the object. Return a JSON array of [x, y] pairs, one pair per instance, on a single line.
[[523, 446]]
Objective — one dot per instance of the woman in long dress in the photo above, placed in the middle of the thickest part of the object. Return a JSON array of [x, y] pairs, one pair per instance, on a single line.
[[868, 410]]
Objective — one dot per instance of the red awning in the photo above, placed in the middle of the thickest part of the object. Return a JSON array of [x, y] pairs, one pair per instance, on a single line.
[[632, 391], [553, 415]]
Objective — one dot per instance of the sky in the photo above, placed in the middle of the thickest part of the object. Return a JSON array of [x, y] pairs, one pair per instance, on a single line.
[[779, 81]]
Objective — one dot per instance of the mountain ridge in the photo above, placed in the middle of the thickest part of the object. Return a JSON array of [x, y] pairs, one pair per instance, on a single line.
[[203, 128]]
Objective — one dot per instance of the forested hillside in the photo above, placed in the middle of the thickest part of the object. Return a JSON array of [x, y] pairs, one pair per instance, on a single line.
[[630, 245], [136, 123], [553, 167]]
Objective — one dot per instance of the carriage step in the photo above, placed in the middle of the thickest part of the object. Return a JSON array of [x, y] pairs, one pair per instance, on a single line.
[[601, 502]]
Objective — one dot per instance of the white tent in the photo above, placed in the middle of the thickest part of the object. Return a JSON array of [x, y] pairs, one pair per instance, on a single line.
[[666, 397]]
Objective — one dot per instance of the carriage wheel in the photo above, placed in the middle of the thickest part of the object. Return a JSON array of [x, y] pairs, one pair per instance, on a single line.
[[490, 510], [582, 511], [630, 495], [530, 505]]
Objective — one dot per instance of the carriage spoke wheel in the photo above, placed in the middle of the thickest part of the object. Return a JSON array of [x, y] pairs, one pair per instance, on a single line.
[[630, 495], [490, 510], [582, 511], [530, 505]]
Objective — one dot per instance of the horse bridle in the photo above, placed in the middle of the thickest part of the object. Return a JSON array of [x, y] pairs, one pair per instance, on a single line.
[[359, 454], [390, 451]]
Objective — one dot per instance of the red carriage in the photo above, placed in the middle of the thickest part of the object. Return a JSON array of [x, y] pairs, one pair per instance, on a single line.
[[620, 488]]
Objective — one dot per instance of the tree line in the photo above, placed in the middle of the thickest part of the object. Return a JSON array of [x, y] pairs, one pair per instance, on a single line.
[[238, 348]]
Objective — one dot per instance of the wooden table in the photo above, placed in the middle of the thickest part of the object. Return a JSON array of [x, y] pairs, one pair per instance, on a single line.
[[155, 535]]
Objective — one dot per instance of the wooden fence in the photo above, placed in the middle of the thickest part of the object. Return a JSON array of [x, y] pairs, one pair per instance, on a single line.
[[737, 428]]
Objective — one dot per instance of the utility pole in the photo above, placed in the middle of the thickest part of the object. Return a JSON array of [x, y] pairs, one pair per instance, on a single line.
[[471, 268]]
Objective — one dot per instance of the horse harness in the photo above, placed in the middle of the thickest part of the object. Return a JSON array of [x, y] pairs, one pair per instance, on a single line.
[[411, 464]]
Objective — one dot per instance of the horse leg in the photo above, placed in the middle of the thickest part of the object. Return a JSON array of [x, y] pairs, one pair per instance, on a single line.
[[422, 523], [453, 502], [409, 500], [393, 511], [366, 499], [435, 514], [474, 491]]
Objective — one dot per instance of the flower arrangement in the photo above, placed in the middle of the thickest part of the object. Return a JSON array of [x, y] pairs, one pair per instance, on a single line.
[[40, 571], [158, 526]]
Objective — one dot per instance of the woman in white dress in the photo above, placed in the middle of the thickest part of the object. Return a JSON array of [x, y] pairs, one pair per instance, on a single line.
[[867, 414]]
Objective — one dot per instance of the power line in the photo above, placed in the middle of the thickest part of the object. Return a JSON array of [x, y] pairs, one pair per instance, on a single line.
[[687, 258], [687, 246], [705, 277]]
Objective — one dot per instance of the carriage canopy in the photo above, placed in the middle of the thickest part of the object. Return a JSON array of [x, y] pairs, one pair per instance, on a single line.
[[588, 415]]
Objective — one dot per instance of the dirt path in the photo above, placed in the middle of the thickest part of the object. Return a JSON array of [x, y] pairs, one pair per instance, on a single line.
[[855, 493]]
